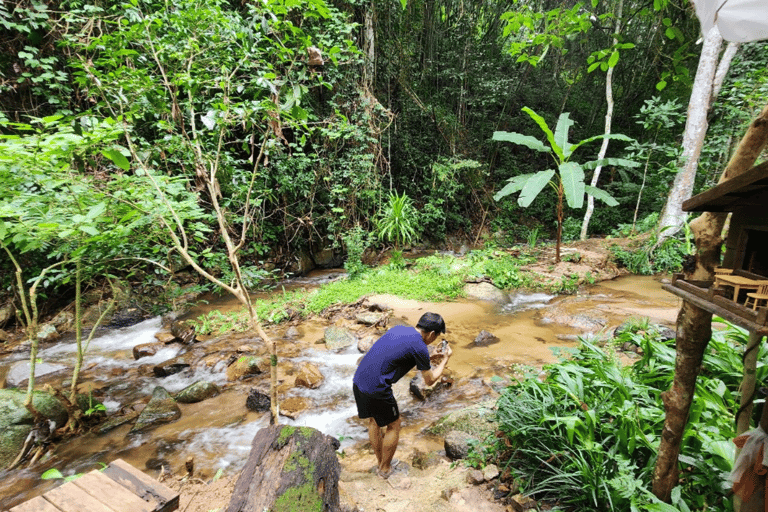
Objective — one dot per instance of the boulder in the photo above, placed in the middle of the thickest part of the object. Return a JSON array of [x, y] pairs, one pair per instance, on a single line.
[[289, 468], [257, 401], [369, 318], [147, 349], [63, 321], [422, 460], [177, 364], [162, 408], [246, 365], [165, 337], [294, 406], [47, 333], [7, 312], [16, 422], [365, 344], [183, 331], [309, 376], [339, 337], [477, 420], [418, 387], [485, 338], [18, 373], [197, 392], [457, 444], [486, 291], [115, 421], [291, 333]]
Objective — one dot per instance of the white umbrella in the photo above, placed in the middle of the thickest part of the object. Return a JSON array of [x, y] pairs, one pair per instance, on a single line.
[[739, 21]]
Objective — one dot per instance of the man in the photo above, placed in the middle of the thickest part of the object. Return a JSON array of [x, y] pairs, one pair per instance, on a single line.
[[392, 356]]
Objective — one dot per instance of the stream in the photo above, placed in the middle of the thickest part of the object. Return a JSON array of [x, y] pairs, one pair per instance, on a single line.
[[218, 432]]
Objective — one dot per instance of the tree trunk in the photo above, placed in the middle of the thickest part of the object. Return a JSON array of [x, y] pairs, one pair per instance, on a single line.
[[748, 382], [289, 468], [694, 325], [673, 217], [606, 130]]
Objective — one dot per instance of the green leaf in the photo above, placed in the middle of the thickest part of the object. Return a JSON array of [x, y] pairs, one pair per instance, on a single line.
[[90, 230], [618, 162], [601, 195], [610, 136], [614, 59], [564, 124], [533, 186], [670, 33], [550, 136], [573, 183], [523, 140], [117, 158], [51, 474], [514, 185], [661, 85]]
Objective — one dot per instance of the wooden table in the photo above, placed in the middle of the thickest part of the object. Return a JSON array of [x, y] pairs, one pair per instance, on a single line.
[[119, 488], [739, 283]]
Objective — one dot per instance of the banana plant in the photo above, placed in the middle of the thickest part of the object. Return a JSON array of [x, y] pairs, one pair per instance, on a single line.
[[567, 178]]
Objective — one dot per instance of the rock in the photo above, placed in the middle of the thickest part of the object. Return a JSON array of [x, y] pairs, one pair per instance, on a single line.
[[457, 444], [422, 460], [522, 503], [365, 344], [162, 408], [16, 422], [291, 333], [47, 333], [147, 349], [7, 312], [177, 364], [418, 387], [486, 291], [301, 264], [485, 338], [490, 472], [63, 321], [246, 365], [90, 406], [115, 421], [183, 331], [197, 392], [18, 373], [368, 318], [257, 401], [475, 477], [325, 258], [339, 337], [309, 376], [165, 337], [293, 407], [289, 468]]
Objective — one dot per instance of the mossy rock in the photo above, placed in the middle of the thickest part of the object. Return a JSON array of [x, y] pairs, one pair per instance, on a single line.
[[477, 420]]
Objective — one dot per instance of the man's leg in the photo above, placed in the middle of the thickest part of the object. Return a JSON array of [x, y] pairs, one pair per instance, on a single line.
[[375, 436], [389, 445]]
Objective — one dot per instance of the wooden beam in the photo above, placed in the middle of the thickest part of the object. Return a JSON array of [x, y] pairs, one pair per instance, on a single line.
[[731, 193], [111, 493], [722, 307], [142, 485], [40, 504]]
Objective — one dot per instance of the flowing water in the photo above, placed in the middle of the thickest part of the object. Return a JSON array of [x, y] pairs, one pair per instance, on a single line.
[[217, 432]]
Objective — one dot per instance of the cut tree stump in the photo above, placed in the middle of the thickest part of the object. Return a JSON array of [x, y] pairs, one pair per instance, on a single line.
[[289, 468]]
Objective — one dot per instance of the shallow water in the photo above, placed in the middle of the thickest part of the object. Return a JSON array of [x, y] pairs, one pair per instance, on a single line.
[[218, 432]]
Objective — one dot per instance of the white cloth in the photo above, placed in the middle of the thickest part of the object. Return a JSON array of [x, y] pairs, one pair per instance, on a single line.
[[739, 21]]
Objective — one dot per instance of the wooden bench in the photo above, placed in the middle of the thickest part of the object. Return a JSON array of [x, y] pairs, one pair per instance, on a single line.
[[118, 488]]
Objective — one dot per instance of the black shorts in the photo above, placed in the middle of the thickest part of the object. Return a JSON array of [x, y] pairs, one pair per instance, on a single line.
[[383, 410]]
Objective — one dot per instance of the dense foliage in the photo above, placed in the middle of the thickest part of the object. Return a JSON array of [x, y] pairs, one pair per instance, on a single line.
[[585, 437]]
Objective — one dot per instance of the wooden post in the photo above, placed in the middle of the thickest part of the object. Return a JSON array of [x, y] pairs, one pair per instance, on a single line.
[[744, 414]]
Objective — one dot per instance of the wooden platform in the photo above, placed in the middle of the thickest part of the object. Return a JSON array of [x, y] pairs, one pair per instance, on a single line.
[[118, 488]]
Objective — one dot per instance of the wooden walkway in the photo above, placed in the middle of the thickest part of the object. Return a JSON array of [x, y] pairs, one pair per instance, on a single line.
[[118, 488]]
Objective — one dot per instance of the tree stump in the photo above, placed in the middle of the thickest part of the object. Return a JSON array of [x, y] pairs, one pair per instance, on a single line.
[[289, 469]]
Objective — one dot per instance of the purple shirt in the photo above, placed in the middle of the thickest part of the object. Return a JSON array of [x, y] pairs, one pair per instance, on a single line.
[[392, 356]]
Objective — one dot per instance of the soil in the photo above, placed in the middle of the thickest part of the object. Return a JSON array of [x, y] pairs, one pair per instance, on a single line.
[[443, 486]]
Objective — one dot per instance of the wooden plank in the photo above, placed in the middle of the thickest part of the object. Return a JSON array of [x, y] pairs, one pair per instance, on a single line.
[[71, 498], [729, 194], [37, 504], [109, 492], [143, 486]]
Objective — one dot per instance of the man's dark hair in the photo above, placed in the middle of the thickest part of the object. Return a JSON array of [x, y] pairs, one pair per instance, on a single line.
[[431, 322]]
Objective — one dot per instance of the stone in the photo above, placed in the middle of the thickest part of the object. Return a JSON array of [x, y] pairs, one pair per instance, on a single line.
[[63, 320], [184, 331], [486, 291], [47, 333], [293, 407], [291, 333], [338, 337], [490, 472], [309, 376], [197, 392], [7, 312], [418, 387], [165, 337], [521, 503], [457, 444], [115, 421], [162, 408], [368, 318], [16, 422], [147, 349], [18, 373], [485, 339], [475, 477], [177, 364], [422, 460], [365, 344], [244, 366], [257, 401]]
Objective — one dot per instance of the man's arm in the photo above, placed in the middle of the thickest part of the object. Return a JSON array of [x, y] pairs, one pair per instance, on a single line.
[[433, 374]]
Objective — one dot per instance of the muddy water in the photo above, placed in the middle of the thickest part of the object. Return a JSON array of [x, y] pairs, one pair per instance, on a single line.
[[217, 432]]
